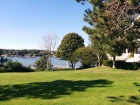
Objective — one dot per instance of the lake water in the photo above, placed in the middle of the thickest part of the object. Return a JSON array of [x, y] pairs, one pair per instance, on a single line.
[[31, 61]]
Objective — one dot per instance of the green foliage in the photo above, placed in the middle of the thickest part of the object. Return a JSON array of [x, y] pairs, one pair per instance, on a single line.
[[73, 60], [122, 65], [3, 69], [97, 32], [41, 64], [69, 44], [97, 3], [100, 2], [86, 56], [62, 69], [107, 63], [131, 55], [1, 52], [107, 26], [103, 85], [14, 66], [2, 60], [24, 52], [127, 65], [133, 2]]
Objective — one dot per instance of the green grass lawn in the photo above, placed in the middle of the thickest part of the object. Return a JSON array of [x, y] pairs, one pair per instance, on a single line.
[[96, 86]]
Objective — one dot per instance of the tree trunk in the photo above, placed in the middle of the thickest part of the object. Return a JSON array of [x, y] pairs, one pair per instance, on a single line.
[[114, 57], [48, 63], [72, 65], [98, 56]]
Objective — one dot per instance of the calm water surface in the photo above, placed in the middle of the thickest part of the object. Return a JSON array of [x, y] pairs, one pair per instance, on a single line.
[[31, 61]]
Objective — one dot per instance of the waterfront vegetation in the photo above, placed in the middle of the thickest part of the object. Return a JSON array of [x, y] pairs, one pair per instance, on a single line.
[[23, 52], [40, 65], [14, 66], [94, 86]]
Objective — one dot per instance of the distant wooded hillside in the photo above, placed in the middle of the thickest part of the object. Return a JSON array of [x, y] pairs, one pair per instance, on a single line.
[[24, 52]]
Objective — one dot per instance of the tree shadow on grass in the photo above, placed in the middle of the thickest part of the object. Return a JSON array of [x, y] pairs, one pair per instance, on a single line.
[[134, 99], [136, 84], [49, 90], [116, 99], [131, 99]]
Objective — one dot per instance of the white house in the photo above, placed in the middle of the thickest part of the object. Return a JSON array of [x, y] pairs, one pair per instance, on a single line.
[[127, 56]]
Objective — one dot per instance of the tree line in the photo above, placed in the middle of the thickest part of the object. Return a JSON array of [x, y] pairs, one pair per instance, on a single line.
[[114, 25], [23, 52]]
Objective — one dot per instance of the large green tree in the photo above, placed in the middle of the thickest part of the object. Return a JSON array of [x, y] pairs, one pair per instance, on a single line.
[[69, 44], [123, 24], [97, 31], [112, 20]]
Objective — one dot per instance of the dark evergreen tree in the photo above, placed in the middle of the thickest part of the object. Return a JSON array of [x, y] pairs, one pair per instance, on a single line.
[[97, 31], [41, 64]]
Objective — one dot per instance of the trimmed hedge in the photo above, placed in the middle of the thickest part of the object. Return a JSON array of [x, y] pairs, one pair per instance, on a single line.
[[61, 69], [122, 65]]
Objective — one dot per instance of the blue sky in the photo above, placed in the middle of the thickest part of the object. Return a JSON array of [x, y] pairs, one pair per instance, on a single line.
[[23, 23]]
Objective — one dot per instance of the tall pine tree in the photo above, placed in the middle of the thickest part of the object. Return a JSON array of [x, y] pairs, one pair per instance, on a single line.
[[97, 31], [113, 21]]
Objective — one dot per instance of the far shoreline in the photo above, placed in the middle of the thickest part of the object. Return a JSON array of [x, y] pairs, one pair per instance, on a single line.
[[12, 56]]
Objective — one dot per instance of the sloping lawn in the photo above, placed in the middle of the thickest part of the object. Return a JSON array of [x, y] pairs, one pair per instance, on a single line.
[[96, 86]]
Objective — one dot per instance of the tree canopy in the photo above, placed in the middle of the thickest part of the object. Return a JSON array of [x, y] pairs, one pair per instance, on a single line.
[[113, 23], [69, 44], [86, 56], [41, 64], [97, 31]]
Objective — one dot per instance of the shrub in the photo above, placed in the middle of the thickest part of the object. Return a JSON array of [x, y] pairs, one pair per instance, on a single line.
[[61, 69], [15, 66], [133, 66], [122, 65], [86, 56], [107, 63], [127, 65], [41, 64], [39, 69], [2, 69]]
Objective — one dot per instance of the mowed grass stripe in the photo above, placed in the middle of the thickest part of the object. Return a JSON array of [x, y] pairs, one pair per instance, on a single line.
[[95, 86]]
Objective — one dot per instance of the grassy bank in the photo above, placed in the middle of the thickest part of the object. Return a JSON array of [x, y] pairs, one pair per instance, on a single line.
[[96, 86]]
